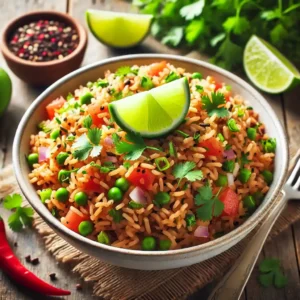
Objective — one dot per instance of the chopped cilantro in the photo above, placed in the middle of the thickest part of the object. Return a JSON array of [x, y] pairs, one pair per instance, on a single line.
[[22, 216], [102, 83], [172, 76], [184, 170], [124, 70], [182, 133], [135, 205], [190, 220], [106, 168], [210, 205], [88, 144], [271, 273], [196, 137], [199, 88], [69, 96], [269, 145], [232, 125], [133, 147], [146, 83], [215, 105], [116, 215], [42, 126], [87, 122], [127, 165]]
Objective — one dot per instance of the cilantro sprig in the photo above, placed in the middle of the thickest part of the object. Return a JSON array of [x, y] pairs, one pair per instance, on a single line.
[[133, 147], [210, 205], [271, 273], [215, 105], [22, 216], [124, 70], [88, 144], [185, 170]]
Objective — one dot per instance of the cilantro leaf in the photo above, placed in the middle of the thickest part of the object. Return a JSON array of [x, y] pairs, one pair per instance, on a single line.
[[23, 216], [146, 83], [269, 264], [215, 105], [194, 30], [124, 70], [173, 36], [236, 24], [106, 168], [12, 201], [217, 39], [266, 280], [88, 144], [87, 122], [172, 76], [209, 205], [189, 12], [280, 280], [184, 170]]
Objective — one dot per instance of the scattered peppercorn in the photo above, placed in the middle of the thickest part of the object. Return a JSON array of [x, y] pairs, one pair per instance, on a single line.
[[28, 258], [53, 276], [15, 244], [43, 41], [78, 287], [35, 261]]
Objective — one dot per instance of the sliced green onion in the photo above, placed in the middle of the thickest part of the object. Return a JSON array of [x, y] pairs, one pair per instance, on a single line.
[[228, 87], [70, 138], [251, 133], [43, 127], [172, 150], [240, 112], [185, 135], [232, 125], [58, 120], [228, 166], [196, 137], [258, 197], [162, 163], [69, 96]]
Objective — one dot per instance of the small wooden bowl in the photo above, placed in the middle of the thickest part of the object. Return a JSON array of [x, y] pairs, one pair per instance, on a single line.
[[43, 73]]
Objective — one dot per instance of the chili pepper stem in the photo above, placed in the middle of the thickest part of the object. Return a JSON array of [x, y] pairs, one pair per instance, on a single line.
[[14, 269]]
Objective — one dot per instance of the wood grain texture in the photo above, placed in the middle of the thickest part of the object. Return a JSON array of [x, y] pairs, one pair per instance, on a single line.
[[286, 247]]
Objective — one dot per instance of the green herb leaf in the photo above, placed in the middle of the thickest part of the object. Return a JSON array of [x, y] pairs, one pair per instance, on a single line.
[[194, 175], [189, 12], [173, 36], [69, 96], [199, 88], [269, 264], [266, 280], [172, 76], [204, 194], [116, 215], [12, 201], [244, 160], [195, 29], [215, 105], [124, 70], [22, 217], [87, 122], [184, 170], [146, 83]]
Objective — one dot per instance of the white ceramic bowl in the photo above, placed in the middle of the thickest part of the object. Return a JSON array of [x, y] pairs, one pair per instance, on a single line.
[[148, 260]]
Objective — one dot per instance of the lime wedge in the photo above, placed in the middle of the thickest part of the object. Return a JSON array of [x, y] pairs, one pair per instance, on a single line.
[[5, 90], [267, 68], [153, 113], [119, 30]]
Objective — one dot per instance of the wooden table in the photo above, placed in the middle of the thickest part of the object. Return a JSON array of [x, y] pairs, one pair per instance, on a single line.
[[286, 246]]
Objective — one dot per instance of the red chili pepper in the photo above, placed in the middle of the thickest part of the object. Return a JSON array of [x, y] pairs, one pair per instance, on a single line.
[[13, 268]]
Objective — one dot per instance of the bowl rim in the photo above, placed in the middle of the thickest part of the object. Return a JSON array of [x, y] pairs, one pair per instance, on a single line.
[[46, 14], [236, 234]]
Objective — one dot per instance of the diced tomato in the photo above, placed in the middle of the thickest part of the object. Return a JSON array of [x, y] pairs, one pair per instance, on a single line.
[[213, 147], [94, 110], [142, 178], [72, 220], [54, 106], [91, 186], [156, 68], [218, 86], [231, 202]]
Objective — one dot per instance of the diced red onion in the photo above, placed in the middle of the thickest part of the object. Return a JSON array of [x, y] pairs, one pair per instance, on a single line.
[[229, 154], [44, 154], [137, 195], [236, 169], [108, 141], [201, 231], [230, 179], [113, 159]]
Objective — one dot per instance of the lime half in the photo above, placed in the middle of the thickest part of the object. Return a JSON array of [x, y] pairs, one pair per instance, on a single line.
[[267, 68], [153, 113], [120, 30], [5, 90]]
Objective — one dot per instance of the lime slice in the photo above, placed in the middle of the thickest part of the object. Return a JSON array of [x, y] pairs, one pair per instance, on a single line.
[[120, 30], [153, 113], [267, 68], [5, 90]]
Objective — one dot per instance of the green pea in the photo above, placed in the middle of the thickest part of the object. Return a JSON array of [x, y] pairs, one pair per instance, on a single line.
[[232, 125], [45, 194], [123, 184], [81, 198], [103, 238], [221, 137], [161, 198], [64, 176], [268, 176], [115, 194], [32, 159], [197, 75], [244, 175], [249, 202], [258, 197], [222, 180], [251, 133], [164, 244], [89, 84], [228, 166], [85, 228], [86, 99], [55, 134], [148, 243], [61, 158], [62, 194]]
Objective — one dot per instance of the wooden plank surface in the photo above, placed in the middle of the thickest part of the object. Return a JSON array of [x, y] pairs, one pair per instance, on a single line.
[[286, 247]]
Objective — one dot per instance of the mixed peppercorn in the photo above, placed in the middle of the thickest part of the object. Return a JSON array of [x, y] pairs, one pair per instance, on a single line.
[[43, 41]]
